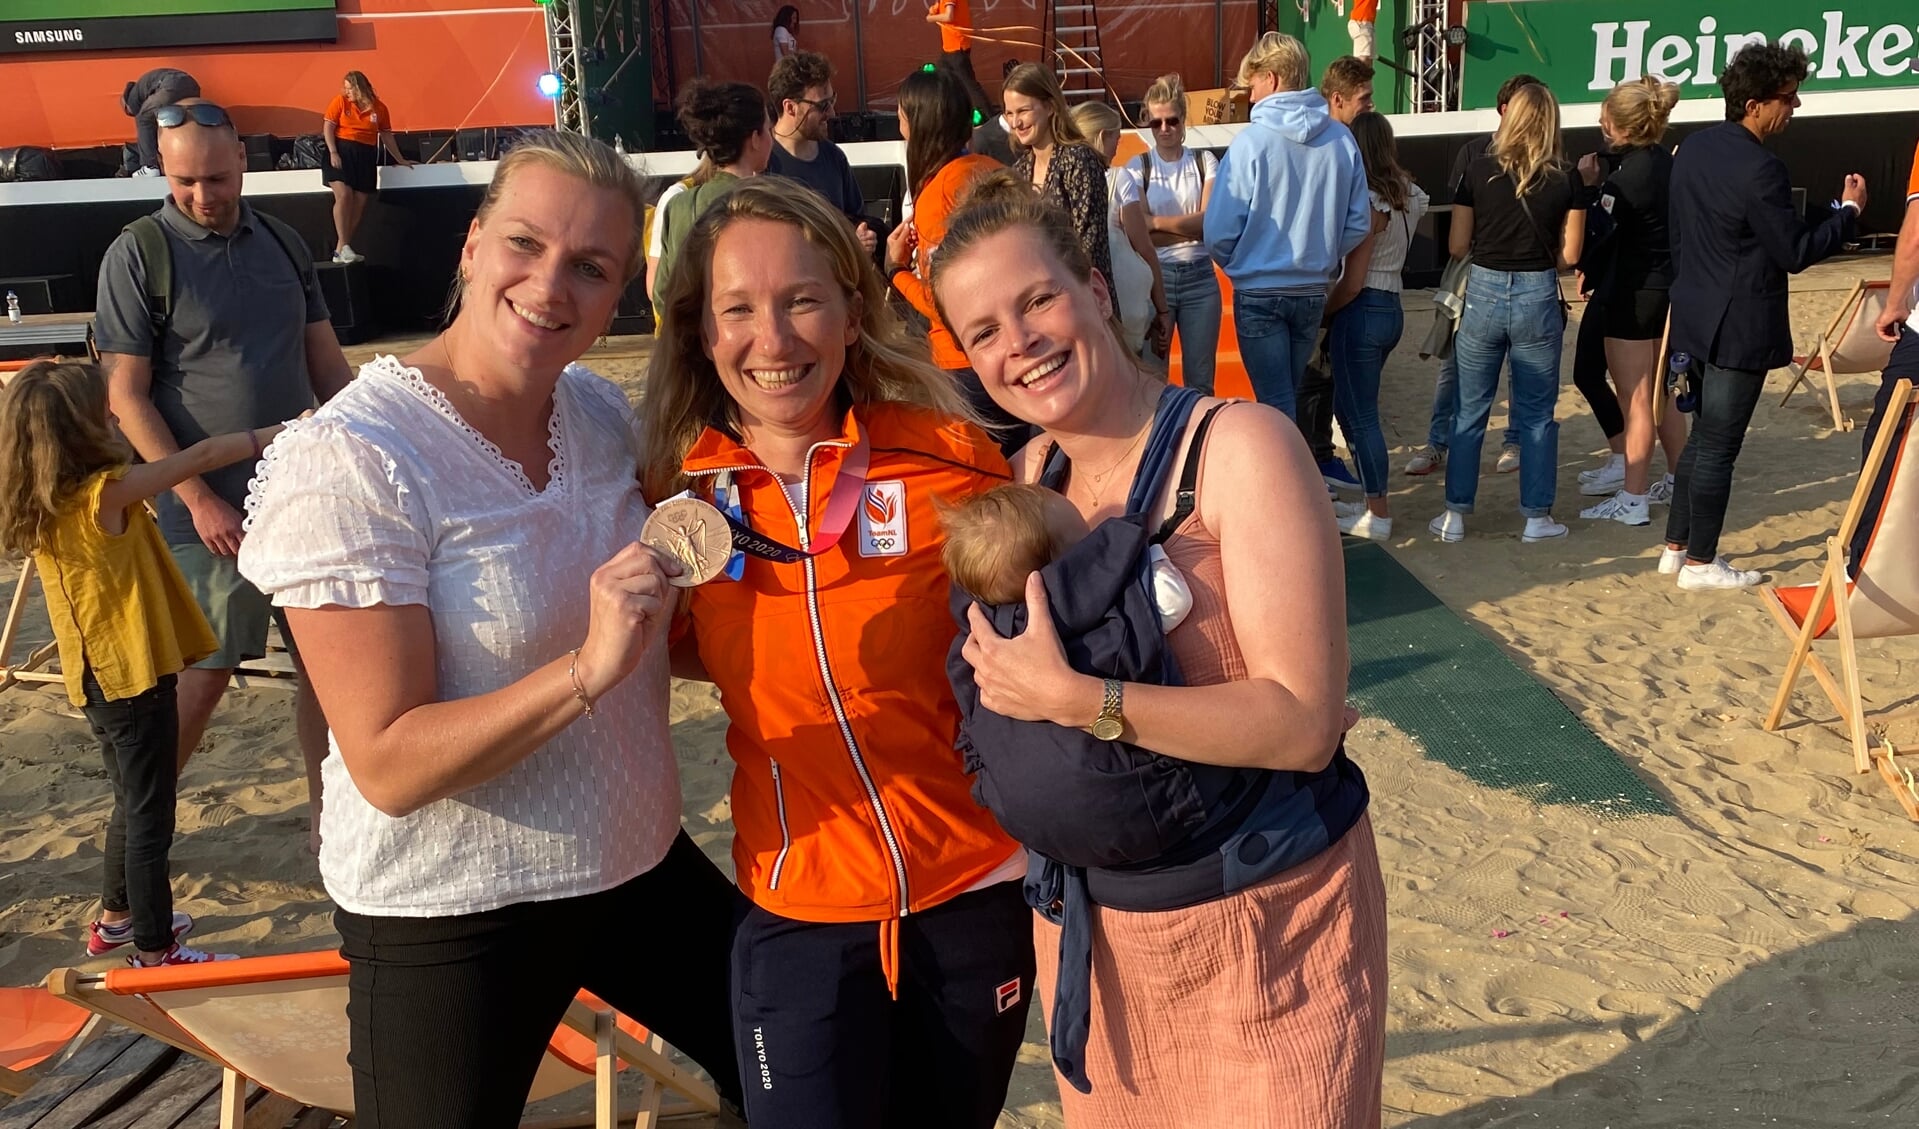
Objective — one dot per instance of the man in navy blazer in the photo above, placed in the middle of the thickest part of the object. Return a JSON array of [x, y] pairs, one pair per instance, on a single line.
[[1735, 238]]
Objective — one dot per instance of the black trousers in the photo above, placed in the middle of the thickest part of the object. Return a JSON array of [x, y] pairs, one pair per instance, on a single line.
[[1702, 486], [824, 1046], [449, 1016], [1904, 365], [1589, 372], [961, 64], [139, 742]]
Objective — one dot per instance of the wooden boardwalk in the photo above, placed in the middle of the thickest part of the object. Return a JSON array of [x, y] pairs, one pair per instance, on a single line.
[[121, 1080]]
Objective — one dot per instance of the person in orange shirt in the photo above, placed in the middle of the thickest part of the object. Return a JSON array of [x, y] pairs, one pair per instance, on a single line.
[[1360, 26], [937, 123], [883, 972], [356, 124], [955, 21]]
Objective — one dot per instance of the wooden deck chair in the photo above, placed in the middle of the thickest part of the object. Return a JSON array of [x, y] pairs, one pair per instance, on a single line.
[[35, 1028], [280, 1022], [1880, 602], [1849, 344]]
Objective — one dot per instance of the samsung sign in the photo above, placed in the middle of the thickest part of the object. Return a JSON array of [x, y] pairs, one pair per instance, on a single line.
[[147, 33], [44, 37]]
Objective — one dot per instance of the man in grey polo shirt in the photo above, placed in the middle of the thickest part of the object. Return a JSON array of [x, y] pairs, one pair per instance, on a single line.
[[247, 344]]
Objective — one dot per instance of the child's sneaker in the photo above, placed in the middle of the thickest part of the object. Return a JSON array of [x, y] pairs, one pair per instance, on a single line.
[[179, 954], [103, 938]]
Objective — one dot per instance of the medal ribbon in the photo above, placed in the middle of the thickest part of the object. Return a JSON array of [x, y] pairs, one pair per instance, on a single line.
[[848, 488]]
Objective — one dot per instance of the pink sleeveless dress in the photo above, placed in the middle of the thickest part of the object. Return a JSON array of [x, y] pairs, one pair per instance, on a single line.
[[1264, 1008]]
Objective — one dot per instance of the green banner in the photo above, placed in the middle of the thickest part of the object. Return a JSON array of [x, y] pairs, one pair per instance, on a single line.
[[1582, 48]]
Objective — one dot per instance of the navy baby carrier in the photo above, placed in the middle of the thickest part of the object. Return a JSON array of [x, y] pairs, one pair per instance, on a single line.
[[1105, 822]]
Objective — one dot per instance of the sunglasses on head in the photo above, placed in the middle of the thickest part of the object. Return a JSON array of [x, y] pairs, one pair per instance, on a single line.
[[203, 113], [1163, 123]]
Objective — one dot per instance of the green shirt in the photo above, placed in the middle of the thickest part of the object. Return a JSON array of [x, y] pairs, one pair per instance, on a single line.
[[682, 212]]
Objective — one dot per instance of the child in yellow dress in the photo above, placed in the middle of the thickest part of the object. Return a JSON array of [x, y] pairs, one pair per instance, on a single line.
[[122, 616]]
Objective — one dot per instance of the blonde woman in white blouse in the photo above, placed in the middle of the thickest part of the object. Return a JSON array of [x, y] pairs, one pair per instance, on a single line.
[[454, 539]]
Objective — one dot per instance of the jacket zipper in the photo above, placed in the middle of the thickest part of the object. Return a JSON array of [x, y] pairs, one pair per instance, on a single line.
[[786, 835], [832, 688]]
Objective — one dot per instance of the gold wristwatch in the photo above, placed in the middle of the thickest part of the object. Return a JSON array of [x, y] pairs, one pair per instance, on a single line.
[[1110, 723]]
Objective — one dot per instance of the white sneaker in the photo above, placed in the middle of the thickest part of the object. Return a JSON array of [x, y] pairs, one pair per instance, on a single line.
[[1449, 526], [1624, 508], [1660, 493], [1609, 480], [1613, 464], [347, 254], [1426, 460], [1718, 574], [1344, 510], [1369, 525], [149, 170], [1542, 529], [1671, 561], [1508, 459]]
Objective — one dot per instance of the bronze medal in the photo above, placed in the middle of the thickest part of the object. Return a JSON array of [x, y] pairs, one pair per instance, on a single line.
[[694, 533]]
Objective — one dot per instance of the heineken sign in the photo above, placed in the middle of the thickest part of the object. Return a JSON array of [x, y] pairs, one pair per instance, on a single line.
[[1582, 49]]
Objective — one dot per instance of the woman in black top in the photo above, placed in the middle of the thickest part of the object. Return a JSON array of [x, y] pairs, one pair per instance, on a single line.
[[1635, 276], [1055, 158], [1514, 214]]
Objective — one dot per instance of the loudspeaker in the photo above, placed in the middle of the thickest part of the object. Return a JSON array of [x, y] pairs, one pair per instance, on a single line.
[[348, 292], [259, 148]]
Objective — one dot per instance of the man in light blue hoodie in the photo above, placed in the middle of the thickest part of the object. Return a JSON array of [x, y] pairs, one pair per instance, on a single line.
[[1288, 203]]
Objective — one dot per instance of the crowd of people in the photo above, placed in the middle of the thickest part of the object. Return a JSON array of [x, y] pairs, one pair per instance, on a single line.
[[484, 645]]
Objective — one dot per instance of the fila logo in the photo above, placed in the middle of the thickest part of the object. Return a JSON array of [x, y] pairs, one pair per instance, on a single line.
[[1006, 996], [883, 520]]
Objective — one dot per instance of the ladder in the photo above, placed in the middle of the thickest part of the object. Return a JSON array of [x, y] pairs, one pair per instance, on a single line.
[[1072, 28]]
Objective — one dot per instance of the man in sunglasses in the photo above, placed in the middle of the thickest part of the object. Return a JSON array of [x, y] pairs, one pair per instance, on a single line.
[[239, 339], [162, 86], [800, 94]]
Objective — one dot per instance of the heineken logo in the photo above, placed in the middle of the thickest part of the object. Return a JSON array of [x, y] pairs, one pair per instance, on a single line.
[[1839, 49]]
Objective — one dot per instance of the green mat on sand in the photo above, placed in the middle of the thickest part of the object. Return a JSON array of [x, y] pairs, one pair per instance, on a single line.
[[1450, 688]]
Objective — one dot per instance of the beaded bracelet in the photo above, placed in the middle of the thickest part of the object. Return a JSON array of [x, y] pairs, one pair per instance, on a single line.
[[573, 676]]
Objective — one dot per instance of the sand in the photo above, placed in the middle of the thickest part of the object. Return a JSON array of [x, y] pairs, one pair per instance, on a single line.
[[1751, 959]]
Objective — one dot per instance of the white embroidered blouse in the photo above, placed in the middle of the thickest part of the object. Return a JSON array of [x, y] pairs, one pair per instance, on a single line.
[[386, 496]]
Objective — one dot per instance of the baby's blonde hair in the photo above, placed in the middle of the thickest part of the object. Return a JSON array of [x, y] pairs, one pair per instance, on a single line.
[[996, 539]]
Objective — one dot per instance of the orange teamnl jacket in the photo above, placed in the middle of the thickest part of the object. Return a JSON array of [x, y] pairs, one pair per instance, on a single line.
[[849, 800]]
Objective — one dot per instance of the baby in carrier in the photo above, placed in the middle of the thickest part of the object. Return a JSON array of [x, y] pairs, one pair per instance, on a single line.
[[996, 539]]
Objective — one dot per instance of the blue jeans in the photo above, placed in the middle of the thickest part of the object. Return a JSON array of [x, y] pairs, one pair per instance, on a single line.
[[1516, 314], [1446, 406], [1363, 333], [1192, 296], [1276, 336]]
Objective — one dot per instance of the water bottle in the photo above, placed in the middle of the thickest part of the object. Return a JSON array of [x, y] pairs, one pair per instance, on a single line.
[[1679, 382], [13, 307]]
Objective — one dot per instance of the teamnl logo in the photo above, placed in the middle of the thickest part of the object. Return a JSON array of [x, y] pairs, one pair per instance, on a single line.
[[883, 520]]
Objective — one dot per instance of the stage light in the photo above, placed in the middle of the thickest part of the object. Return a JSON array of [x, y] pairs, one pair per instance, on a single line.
[[929, 68], [1456, 36], [550, 85]]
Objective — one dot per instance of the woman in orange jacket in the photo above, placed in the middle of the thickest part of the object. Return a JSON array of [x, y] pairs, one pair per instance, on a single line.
[[936, 120], [882, 976]]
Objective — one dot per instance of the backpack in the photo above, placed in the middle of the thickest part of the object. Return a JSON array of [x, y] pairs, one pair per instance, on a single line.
[[1146, 176], [150, 240], [1128, 805]]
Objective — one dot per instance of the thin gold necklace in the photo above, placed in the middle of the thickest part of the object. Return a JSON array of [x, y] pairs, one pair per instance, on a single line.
[[1099, 481]]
